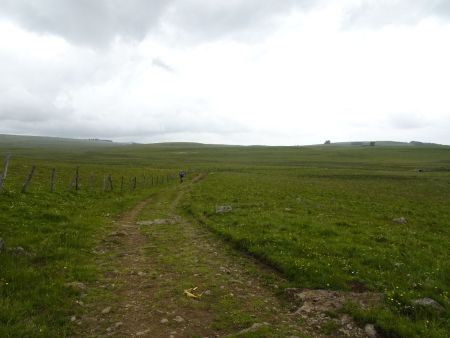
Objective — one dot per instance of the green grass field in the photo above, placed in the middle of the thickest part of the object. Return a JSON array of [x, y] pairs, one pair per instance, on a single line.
[[323, 216]]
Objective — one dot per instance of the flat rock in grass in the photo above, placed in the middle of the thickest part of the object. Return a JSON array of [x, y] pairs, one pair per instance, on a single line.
[[19, 251], [428, 303], [2, 244], [106, 310], [370, 330], [158, 221], [179, 319], [255, 327], [221, 209], [142, 333], [76, 286], [399, 220], [118, 233], [115, 326], [325, 300], [315, 306]]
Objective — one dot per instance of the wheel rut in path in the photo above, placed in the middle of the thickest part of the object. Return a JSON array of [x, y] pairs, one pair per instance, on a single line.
[[167, 277]]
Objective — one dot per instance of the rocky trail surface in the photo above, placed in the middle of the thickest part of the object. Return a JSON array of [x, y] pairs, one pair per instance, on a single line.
[[165, 276]]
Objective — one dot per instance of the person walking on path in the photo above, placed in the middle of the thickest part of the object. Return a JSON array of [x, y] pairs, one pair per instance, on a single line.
[[181, 174]]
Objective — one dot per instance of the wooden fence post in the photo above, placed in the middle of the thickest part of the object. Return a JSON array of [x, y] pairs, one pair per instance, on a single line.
[[152, 181], [134, 183], [104, 183], [52, 180], [28, 180], [110, 182], [5, 171], [74, 182], [77, 178], [121, 185], [5, 166]]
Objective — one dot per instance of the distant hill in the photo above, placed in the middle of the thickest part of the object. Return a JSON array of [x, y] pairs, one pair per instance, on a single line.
[[21, 141], [24, 141], [378, 144]]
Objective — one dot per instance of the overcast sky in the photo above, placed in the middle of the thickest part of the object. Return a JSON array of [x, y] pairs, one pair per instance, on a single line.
[[231, 71]]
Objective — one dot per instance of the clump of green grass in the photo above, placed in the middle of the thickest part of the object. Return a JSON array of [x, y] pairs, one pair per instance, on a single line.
[[330, 327]]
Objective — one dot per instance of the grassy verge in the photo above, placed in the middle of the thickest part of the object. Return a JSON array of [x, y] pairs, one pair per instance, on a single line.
[[334, 229], [49, 240]]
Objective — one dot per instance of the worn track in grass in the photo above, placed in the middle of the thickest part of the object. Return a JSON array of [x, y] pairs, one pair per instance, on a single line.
[[147, 269]]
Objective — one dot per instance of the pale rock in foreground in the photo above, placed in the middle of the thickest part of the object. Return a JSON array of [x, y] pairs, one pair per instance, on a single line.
[[428, 303], [369, 329], [221, 209], [106, 310], [179, 319], [400, 220], [141, 333], [76, 286], [255, 327]]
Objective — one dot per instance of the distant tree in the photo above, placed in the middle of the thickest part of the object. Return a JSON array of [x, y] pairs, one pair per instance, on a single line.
[[327, 142], [372, 143]]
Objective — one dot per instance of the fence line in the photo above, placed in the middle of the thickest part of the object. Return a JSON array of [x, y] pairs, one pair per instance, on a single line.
[[5, 171], [52, 180], [28, 180], [74, 183]]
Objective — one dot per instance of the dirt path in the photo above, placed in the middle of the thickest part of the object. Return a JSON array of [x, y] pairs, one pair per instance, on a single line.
[[166, 277]]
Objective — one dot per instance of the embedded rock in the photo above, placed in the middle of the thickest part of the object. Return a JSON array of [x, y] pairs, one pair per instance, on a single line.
[[428, 303]]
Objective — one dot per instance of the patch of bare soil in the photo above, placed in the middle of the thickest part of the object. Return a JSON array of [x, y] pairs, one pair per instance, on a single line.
[[125, 283]]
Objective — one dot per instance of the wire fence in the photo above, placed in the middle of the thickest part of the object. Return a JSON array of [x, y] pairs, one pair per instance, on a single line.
[[91, 178]]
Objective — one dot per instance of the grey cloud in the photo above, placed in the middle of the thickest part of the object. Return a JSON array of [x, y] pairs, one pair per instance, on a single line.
[[197, 19], [97, 23], [86, 22], [29, 111], [402, 12], [161, 64], [154, 125], [36, 91]]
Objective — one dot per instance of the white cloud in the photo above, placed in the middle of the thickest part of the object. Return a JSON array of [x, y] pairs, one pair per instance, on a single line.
[[304, 79], [376, 13]]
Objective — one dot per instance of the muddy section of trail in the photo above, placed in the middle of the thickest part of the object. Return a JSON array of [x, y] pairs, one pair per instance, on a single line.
[[167, 277]]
